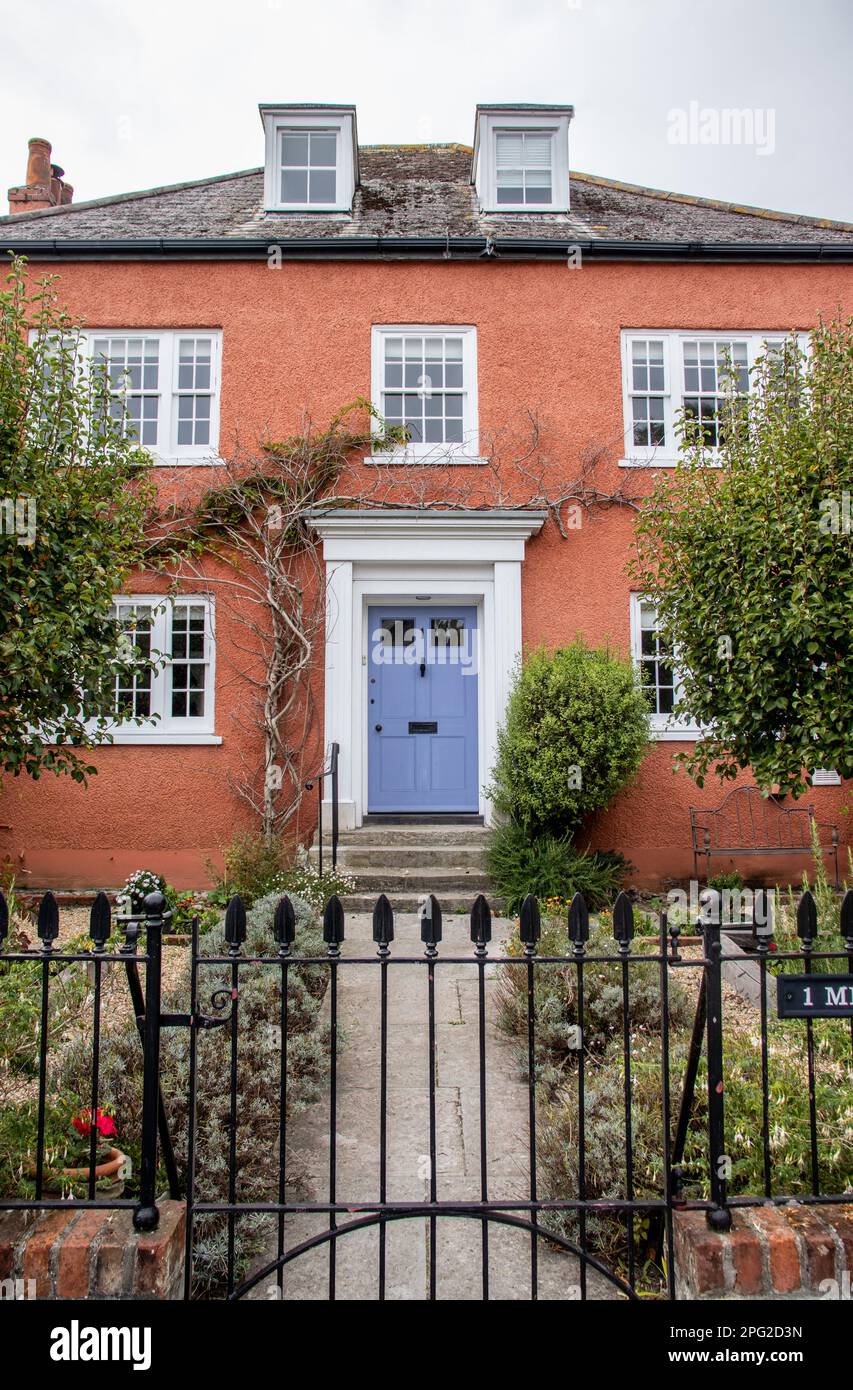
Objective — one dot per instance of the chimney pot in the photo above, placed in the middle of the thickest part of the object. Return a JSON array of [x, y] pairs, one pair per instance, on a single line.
[[38, 163], [45, 186]]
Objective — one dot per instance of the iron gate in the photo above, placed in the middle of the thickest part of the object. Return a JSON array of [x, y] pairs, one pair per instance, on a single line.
[[645, 1219]]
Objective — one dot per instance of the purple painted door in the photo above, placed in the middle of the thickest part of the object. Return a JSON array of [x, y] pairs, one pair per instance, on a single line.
[[422, 709]]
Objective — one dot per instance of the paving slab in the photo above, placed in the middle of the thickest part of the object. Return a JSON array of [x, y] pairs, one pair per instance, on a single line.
[[458, 1240]]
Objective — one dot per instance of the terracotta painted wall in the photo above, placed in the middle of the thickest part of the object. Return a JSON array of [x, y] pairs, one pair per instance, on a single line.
[[297, 340]]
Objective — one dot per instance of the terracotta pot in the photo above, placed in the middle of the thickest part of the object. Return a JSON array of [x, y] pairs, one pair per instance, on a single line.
[[110, 1167]]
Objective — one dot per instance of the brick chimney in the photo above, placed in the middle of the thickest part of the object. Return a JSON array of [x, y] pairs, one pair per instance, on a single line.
[[45, 187]]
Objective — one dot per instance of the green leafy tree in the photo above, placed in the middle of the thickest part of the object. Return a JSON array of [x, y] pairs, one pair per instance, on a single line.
[[750, 565], [575, 732], [73, 499]]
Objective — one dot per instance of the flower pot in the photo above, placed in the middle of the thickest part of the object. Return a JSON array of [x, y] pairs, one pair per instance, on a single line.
[[109, 1168], [113, 1170]]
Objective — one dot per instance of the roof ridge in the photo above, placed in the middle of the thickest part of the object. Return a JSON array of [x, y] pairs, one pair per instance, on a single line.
[[130, 197], [696, 200], [422, 145]]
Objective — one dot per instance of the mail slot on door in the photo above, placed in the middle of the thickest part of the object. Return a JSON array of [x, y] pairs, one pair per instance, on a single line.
[[422, 728]]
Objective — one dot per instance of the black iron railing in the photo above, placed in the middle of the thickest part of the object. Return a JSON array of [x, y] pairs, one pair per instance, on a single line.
[[149, 1019], [330, 772], [708, 1028], [644, 1215], [646, 1218]]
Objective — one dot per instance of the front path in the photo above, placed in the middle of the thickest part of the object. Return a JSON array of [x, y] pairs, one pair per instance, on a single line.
[[458, 1241]]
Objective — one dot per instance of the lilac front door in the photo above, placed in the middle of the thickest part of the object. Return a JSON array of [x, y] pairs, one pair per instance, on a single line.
[[422, 709]]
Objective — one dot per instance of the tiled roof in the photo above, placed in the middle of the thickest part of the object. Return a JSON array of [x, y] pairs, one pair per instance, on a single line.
[[415, 191]]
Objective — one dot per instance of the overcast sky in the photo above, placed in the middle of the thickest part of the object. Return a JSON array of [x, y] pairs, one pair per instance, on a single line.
[[133, 95]]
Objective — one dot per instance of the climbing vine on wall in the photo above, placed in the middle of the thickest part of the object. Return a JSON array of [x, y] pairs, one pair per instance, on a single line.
[[249, 538]]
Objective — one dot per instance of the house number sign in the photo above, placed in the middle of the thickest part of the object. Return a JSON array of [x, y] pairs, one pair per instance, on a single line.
[[814, 996]]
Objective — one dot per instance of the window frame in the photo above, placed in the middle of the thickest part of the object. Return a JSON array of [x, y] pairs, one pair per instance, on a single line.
[[548, 133], [88, 342], [333, 132], [178, 451], [825, 777], [332, 121], [167, 451], [466, 452], [662, 727], [506, 121], [168, 728], [666, 455]]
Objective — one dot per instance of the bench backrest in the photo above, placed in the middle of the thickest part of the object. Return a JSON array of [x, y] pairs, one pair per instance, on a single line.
[[747, 820]]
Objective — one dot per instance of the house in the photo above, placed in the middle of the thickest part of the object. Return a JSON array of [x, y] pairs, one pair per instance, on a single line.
[[528, 324]]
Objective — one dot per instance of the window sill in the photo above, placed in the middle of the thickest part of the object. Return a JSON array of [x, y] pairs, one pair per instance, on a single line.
[[313, 210], [664, 461], [659, 461], [673, 733], [165, 738], [527, 209], [186, 461], [401, 460]]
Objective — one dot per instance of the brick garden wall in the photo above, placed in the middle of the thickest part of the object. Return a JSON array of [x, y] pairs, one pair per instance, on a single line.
[[790, 1251], [93, 1254]]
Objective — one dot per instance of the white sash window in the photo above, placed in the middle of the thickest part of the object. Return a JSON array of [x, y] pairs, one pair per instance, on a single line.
[[175, 696], [425, 380], [668, 374], [165, 386]]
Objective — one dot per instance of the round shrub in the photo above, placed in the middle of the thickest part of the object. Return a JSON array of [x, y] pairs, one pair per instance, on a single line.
[[576, 730]]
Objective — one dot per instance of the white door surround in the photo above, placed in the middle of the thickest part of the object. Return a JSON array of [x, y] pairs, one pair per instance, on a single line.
[[398, 556]]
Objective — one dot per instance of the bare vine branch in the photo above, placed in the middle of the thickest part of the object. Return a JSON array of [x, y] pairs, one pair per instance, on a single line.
[[249, 537]]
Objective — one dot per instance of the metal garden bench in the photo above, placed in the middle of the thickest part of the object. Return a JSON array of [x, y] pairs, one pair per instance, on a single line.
[[746, 822]]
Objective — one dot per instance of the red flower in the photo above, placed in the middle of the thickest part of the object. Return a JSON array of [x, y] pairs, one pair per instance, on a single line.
[[104, 1124]]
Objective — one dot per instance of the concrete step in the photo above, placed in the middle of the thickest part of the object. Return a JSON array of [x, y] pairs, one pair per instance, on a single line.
[[388, 878], [409, 835], [409, 860], [355, 857], [451, 902]]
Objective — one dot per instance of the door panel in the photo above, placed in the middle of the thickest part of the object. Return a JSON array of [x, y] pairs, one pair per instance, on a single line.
[[422, 709], [447, 764], [397, 764]]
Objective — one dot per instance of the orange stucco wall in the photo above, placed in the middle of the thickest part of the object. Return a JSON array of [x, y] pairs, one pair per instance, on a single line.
[[296, 340]]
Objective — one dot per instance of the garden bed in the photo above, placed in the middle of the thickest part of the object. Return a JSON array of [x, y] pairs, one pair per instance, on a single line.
[[555, 998], [120, 1084]]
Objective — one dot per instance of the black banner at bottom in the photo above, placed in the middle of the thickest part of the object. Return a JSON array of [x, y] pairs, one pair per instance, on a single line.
[[663, 1339]]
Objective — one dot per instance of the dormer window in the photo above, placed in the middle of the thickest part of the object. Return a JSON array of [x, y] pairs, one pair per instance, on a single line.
[[521, 158], [311, 158], [309, 167], [523, 163]]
